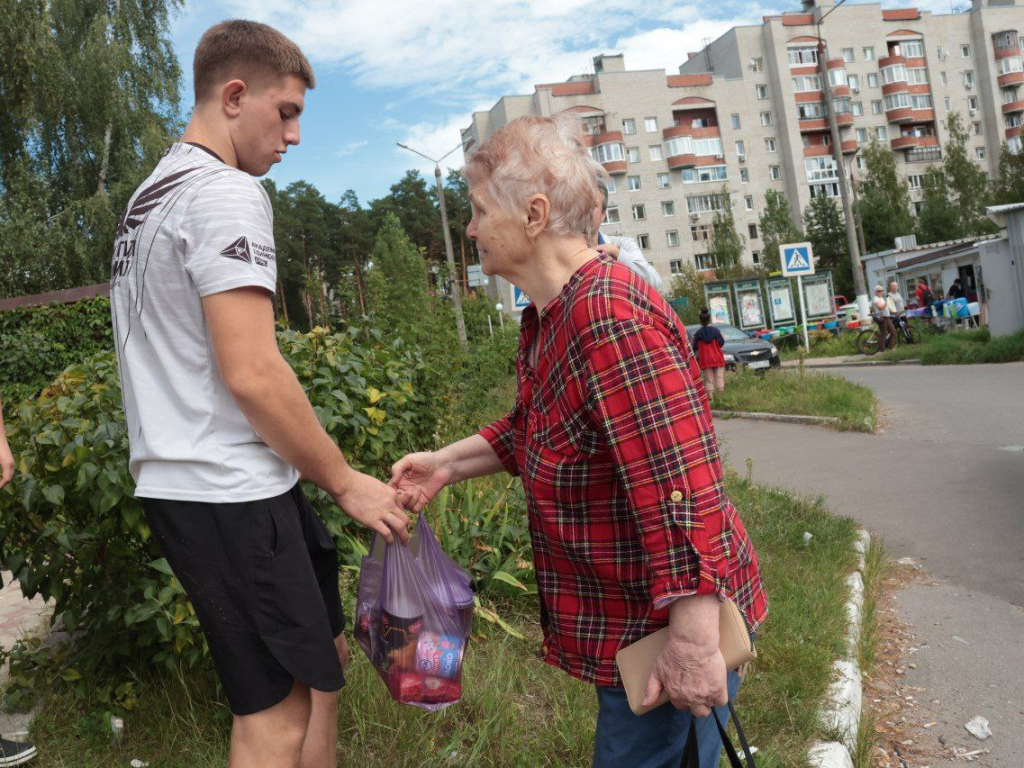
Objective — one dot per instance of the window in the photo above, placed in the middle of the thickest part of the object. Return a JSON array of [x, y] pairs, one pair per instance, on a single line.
[[1006, 40], [857, 107], [949, 104], [675, 267], [897, 101], [915, 181], [980, 152], [644, 241], [821, 168], [748, 202], [611, 185], [812, 111], [897, 73], [762, 92], [798, 56], [837, 77], [912, 49], [943, 79], [968, 79], [668, 208], [918, 206], [965, 51], [639, 214], [921, 101], [881, 133], [917, 76], [687, 145], [706, 203], [873, 79], [672, 238], [611, 216], [829, 189], [769, 145], [629, 125], [757, 64], [972, 103], [1012, 121], [655, 152], [862, 135], [861, 163], [701, 233], [766, 118], [752, 231], [736, 122], [1009, 95], [756, 256], [876, 107], [806, 83], [704, 260], [740, 149], [633, 183], [744, 175], [854, 81], [774, 172], [848, 55], [869, 53], [663, 181], [941, 53], [607, 153], [703, 174], [632, 154], [1009, 65], [842, 105], [650, 124]]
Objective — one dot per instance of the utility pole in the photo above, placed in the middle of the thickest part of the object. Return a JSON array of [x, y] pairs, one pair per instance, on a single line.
[[853, 246], [460, 321]]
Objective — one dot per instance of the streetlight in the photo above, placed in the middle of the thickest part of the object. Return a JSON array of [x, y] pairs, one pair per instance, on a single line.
[[501, 317], [460, 321]]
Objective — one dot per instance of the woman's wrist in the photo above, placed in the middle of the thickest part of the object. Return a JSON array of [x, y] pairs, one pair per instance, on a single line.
[[448, 463]]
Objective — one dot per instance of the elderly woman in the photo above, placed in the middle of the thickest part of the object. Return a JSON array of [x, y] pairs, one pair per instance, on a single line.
[[611, 434]]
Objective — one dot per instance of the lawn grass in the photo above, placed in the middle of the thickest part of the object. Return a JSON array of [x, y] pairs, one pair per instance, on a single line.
[[517, 710], [961, 348], [800, 392]]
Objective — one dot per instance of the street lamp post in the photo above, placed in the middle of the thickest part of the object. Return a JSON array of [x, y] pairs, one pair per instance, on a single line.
[[460, 321]]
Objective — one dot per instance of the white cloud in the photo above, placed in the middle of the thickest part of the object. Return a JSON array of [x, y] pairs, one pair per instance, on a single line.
[[351, 148], [434, 140]]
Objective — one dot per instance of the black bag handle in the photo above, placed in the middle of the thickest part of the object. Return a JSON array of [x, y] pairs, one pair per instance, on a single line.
[[691, 752]]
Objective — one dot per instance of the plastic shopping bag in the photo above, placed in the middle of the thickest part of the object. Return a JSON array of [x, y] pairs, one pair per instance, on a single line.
[[413, 617]]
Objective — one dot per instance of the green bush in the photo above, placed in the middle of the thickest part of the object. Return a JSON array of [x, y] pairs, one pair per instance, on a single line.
[[37, 343], [71, 531]]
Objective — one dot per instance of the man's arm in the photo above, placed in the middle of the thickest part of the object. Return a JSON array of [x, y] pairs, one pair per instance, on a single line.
[[241, 324], [630, 254], [6, 458]]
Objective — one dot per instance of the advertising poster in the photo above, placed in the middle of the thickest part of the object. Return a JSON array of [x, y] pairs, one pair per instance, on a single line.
[[782, 303], [751, 314], [819, 304], [719, 306]]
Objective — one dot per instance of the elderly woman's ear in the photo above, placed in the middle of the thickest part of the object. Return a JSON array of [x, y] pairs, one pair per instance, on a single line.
[[538, 213]]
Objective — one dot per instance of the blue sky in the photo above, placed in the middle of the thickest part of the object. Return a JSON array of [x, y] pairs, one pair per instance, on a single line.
[[415, 70]]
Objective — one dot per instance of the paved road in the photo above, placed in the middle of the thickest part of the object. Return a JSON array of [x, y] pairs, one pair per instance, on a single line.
[[942, 483]]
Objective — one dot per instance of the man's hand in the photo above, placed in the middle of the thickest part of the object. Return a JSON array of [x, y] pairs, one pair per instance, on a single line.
[[419, 477], [6, 462], [608, 248], [369, 501], [695, 678]]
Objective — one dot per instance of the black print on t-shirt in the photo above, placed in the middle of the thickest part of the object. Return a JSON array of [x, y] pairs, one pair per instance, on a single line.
[[239, 249]]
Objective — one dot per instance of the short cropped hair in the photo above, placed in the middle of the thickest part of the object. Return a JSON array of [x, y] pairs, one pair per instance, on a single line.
[[541, 155], [246, 50]]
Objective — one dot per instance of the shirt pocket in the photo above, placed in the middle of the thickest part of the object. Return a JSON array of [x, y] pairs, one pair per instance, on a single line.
[[566, 432]]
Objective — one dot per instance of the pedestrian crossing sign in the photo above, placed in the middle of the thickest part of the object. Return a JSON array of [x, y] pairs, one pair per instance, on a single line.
[[519, 298], [797, 259]]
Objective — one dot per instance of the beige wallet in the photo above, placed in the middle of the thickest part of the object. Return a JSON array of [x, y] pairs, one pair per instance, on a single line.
[[637, 660]]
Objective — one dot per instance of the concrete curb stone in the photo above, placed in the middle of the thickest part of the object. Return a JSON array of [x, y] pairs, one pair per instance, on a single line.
[[788, 418]]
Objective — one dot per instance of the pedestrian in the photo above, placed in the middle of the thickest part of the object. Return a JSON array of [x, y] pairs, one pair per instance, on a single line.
[[881, 316], [613, 439], [956, 290], [707, 343], [897, 307], [624, 249], [220, 428], [11, 752], [924, 294]]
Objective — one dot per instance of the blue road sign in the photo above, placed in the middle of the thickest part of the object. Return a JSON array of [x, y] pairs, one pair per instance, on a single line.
[[519, 299], [797, 259]]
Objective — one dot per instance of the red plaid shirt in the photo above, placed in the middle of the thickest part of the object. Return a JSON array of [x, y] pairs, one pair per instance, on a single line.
[[612, 436]]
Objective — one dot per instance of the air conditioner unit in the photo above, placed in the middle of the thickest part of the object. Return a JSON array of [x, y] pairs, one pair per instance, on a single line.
[[719, 157], [855, 89], [753, 65], [694, 216], [742, 158], [974, 112], [968, 86]]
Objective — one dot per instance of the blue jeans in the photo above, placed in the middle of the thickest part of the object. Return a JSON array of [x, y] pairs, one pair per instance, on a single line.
[[654, 740]]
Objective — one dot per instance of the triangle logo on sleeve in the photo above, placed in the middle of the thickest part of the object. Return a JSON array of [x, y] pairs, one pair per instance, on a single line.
[[239, 249]]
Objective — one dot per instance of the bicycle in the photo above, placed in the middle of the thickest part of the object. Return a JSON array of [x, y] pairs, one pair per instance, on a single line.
[[867, 340]]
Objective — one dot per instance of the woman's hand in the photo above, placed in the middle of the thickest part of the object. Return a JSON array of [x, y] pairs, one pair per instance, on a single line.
[[694, 677], [419, 477], [6, 460], [609, 249]]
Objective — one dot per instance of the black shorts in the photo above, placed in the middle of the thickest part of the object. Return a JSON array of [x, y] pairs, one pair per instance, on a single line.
[[263, 578]]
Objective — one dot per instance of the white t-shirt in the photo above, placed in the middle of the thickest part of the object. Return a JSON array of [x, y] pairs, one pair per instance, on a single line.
[[195, 227]]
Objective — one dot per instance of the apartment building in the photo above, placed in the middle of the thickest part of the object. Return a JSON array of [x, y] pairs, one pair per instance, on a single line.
[[748, 114]]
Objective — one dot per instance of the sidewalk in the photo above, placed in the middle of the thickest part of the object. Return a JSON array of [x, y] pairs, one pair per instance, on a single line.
[[19, 617]]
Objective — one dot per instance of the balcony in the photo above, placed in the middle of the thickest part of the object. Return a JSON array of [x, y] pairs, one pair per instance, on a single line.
[[900, 115], [844, 119], [924, 115], [613, 162], [841, 90], [676, 162], [813, 125], [889, 61], [900, 86], [1006, 53], [914, 142], [1013, 132], [1013, 107], [1010, 79], [688, 159], [850, 147]]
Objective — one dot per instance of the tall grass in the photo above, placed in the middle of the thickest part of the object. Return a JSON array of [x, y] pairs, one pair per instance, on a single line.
[[962, 348]]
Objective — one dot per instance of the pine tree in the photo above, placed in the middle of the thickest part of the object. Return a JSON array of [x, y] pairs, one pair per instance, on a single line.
[[777, 228], [884, 200], [396, 282]]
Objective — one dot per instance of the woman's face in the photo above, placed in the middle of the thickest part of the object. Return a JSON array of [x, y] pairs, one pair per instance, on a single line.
[[499, 235]]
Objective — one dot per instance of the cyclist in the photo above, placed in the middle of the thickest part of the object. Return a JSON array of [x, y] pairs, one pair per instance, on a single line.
[[897, 308], [880, 313]]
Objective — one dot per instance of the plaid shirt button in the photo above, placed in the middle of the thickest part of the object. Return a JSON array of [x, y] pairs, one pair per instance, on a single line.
[[676, 496]]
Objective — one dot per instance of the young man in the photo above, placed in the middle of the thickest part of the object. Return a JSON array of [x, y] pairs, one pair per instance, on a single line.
[[623, 249], [220, 428]]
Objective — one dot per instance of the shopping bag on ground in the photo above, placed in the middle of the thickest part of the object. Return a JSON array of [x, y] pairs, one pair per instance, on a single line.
[[414, 612]]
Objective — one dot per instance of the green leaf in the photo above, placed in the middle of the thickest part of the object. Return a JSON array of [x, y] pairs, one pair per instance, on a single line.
[[510, 579], [54, 494]]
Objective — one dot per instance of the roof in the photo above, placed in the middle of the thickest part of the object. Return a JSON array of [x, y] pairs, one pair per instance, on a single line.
[[1007, 208], [69, 296]]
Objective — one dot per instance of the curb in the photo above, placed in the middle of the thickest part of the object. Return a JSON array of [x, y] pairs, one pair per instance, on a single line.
[[787, 418], [842, 710], [854, 364]]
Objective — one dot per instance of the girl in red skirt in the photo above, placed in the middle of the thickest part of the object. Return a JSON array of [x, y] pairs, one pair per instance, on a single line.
[[708, 343]]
